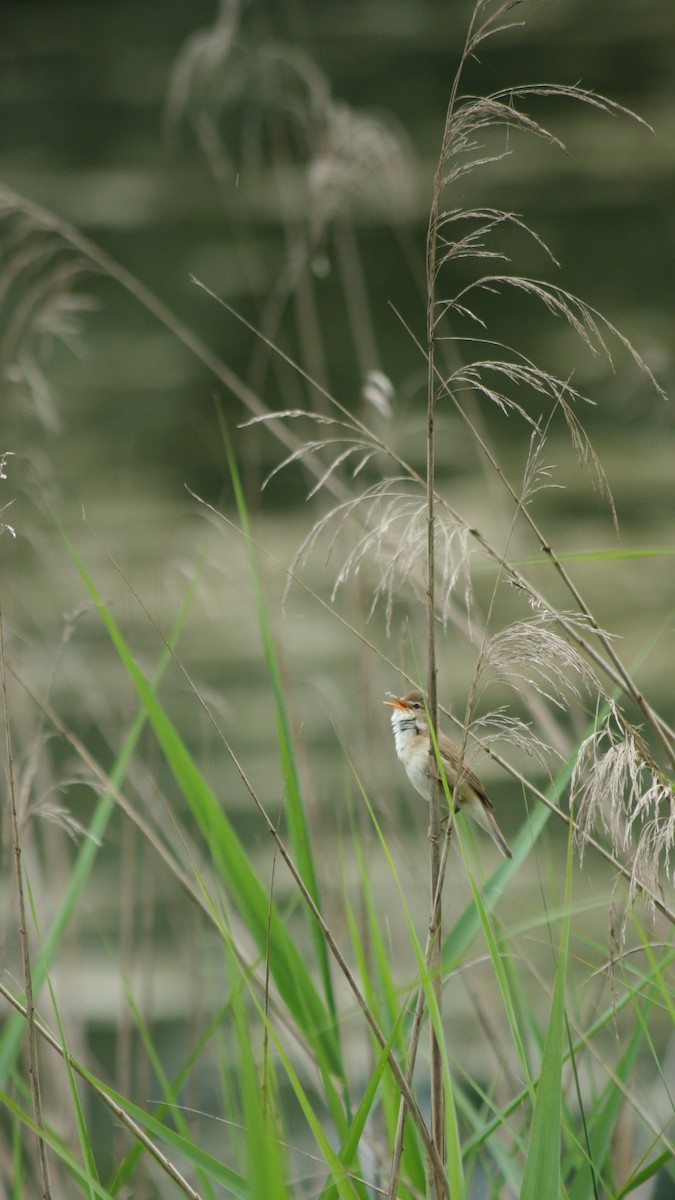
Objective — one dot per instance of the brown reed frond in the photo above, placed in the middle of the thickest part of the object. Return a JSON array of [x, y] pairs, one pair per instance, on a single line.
[[470, 116], [62, 817], [589, 324], [286, 106], [538, 474], [617, 786], [391, 514], [359, 157], [499, 725], [340, 449], [473, 243], [201, 61], [40, 307], [532, 652], [378, 391], [471, 376]]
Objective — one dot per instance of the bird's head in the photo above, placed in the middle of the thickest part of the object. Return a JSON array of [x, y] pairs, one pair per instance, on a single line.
[[409, 711]]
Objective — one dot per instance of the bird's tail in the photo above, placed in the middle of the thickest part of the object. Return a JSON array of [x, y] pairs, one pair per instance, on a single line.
[[496, 834], [478, 809]]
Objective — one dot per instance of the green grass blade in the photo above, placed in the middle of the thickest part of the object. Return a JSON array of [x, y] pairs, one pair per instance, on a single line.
[[82, 1131], [128, 1164], [265, 1169], [502, 982], [350, 1145], [541, 1178], [603, 1118], [606, 1018], [68, 1163], [229, 856], [169, 1089], [662, 1162], [493, 950], [381, 994], [13, 1032], [459, 938], [455, 1173], [339, 1175], [200, 1159], [293, 805]]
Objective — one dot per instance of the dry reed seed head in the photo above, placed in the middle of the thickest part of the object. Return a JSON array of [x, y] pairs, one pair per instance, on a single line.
[[364, 159], [474, 377], [340, 449], [221, 67], [478, 376], [393, 539], [348, 156], [267, 85], [537, 476], [617, 787], [200, 63], [502, 726], [532, 651], [592, 328], [472, 115], [38, 308], [5, 527], [489, 220], [62, 818]]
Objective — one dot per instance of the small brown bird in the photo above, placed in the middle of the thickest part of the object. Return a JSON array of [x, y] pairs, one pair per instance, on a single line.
[[411, 734]]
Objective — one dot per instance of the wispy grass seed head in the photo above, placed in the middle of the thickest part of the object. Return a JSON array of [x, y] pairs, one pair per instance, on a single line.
[[503, 726], [532, 652], [392, 517], [286, 113], [40, 308], [617, 787]]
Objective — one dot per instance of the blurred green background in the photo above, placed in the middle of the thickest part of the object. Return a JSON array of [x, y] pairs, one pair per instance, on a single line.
[[111, 120], [87, 103]]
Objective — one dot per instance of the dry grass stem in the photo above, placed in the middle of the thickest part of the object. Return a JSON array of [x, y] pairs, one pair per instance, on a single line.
[[31, 1024]]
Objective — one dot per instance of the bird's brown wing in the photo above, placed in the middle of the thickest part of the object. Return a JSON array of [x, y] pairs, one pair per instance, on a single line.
[[450, 756]]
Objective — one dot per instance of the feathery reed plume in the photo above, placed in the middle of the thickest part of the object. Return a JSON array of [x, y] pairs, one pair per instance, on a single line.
[[392, 541], [532, 651], [287, 113], [40, 307], [499, 725], [618, 787]]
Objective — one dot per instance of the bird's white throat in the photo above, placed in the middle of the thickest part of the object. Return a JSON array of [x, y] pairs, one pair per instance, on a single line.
[[413, 749], [405, 727]]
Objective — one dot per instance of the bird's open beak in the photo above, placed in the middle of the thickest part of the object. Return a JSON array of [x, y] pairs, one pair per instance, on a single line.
[[396, 702]]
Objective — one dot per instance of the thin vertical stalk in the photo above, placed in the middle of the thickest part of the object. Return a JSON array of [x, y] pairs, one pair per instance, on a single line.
[[438, 1186], [439, 1189], [33, 1070], [435, 931]]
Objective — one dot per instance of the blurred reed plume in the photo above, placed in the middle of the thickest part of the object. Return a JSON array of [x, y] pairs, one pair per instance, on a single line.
[[40, 307]]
